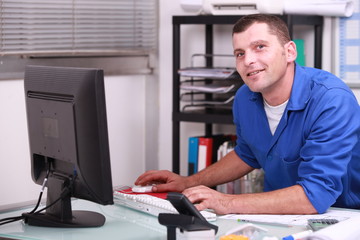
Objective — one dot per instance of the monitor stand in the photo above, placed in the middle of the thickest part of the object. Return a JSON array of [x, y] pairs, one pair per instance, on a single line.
[[61, 214]]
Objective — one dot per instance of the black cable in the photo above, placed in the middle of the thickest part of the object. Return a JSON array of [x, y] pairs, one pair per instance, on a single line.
[[42, 189], [10, 220], [63, 194], [14, 219]]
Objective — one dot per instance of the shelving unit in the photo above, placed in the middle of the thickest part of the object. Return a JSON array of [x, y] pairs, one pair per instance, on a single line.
[[208, 116]]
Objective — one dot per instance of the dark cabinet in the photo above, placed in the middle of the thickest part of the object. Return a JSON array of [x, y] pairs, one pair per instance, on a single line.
[[209, 117]]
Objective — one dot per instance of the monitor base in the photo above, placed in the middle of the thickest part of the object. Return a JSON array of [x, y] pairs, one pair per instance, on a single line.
[[80, 219]]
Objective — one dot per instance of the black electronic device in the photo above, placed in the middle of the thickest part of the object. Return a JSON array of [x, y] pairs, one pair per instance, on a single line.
[[188, 219], [317, 224], [69, 146], [183, 205]]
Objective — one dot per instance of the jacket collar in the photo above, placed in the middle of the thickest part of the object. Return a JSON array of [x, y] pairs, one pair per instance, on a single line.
[[301, 89]]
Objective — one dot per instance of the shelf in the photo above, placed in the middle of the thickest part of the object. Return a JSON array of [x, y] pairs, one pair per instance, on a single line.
[[209, 116], [221, 117]]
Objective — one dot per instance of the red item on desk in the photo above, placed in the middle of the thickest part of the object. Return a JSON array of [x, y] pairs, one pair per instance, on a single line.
[[162, 195]]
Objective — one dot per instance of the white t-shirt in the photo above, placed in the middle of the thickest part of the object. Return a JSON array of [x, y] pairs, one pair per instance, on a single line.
[[274, 114]]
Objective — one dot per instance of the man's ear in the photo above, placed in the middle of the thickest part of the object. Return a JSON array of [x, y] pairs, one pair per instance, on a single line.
[[290, 50]]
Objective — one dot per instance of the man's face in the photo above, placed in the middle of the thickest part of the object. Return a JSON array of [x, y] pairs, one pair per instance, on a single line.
[[260, 58]]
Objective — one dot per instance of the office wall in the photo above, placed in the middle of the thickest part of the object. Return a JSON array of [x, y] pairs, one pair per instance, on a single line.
[[126, 101]]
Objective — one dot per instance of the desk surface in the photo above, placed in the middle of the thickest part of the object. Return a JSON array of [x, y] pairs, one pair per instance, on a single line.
[[121, 223]]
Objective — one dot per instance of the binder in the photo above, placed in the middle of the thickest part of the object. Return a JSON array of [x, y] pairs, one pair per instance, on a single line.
[[205, 152], [193, 155]]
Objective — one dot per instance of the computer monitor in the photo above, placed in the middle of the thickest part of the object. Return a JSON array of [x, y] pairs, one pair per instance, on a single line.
[[67, 126]]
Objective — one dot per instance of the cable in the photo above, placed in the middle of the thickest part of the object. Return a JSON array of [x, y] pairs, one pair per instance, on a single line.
[[42, 189], [10, 219], [14, 219], [65, 192]]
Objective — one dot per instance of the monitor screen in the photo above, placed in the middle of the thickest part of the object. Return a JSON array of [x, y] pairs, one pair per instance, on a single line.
[[68, 137]]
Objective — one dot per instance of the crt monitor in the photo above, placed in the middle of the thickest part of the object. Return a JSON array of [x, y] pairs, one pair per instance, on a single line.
[[69, 147]]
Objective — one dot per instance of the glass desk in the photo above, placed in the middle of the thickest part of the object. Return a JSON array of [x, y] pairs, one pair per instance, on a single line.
[[121, 223]]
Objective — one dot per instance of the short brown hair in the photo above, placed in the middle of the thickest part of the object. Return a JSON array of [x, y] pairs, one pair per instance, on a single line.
[[276, 25]]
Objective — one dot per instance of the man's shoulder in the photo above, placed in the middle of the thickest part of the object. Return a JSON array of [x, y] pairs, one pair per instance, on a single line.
[[316, 85], [328, 90], [323, 78]]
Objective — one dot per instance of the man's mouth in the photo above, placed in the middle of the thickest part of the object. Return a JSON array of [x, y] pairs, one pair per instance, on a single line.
[[254, 73]]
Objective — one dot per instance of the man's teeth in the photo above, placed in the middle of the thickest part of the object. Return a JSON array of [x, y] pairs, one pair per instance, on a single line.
[[253, 73]]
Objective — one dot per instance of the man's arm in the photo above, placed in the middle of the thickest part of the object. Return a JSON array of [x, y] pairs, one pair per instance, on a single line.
[[229, 168], [291, 200]]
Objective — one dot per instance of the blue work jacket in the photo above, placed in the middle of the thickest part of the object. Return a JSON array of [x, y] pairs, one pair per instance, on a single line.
[[315, 145]]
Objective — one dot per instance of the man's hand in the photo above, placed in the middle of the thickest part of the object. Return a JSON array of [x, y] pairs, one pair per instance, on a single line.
[[165, 181], [205, 197]]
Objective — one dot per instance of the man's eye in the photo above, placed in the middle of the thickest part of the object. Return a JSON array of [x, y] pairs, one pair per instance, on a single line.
[[261, 46], [239, 54]]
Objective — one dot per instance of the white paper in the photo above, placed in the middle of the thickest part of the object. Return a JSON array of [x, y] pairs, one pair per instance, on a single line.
[[213, 102], [337, 8], [208, 89], [345, 230], [220, 73], [301, 220], [191, 5]]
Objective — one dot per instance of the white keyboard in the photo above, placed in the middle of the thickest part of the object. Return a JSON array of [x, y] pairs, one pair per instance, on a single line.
[[151, 205]]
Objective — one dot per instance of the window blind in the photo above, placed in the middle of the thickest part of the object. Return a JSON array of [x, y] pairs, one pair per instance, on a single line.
[[77, 27]]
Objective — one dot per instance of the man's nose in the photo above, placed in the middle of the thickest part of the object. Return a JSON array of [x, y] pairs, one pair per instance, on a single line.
[[249, 58]]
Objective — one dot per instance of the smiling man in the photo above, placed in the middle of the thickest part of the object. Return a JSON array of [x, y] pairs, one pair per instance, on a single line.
[[300, 125]]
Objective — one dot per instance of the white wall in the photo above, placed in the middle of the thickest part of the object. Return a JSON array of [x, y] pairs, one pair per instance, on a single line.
[[15, 179], [125, 97], [167, 9]]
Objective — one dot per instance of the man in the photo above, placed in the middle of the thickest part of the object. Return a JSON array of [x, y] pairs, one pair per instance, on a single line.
[[300, 124]]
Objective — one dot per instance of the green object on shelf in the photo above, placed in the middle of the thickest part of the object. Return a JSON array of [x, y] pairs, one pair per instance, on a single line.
[[300, 51]]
